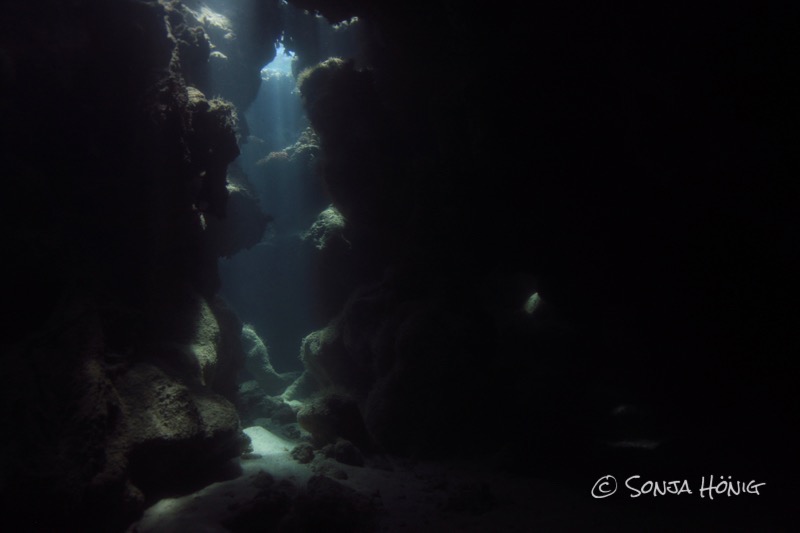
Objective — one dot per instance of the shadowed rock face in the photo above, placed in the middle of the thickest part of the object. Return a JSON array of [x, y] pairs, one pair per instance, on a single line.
[[626, 162], [119, 363]]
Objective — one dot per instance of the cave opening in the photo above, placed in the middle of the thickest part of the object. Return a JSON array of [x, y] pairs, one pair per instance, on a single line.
[[270, 284], [281, 64], [274, 286]]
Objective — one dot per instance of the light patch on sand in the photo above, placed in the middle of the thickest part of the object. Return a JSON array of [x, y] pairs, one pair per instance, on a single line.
[[204, 511]]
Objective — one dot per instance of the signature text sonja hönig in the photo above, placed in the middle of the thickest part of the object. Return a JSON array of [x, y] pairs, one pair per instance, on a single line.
[[708, 487]]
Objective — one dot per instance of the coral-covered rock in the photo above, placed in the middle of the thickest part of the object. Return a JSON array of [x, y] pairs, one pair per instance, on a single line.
[[415, 364], [303, 453], [205, 343], [357, 140], [274, 413], [291, 174], [243, 224], [337, 270], [230, 354], [240, 37], [193, 49], [313, 41], [344, 451], [259, 365], [334, 415], [328, 227], [73, 429], [196, 337], [323, 355], [213, 144], [174, 430]]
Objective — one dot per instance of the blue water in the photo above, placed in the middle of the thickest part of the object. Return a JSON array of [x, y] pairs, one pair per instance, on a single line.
[[269, 286]]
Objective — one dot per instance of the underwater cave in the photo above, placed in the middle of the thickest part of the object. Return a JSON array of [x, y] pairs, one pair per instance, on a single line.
[[342, 265]]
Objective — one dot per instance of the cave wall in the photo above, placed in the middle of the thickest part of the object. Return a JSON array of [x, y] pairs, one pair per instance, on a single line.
[[119, 362], [631, 164]]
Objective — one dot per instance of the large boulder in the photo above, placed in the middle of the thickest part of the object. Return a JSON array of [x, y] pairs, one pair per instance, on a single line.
[[242, 227], [333, 415], [328, 227], [174, 430]]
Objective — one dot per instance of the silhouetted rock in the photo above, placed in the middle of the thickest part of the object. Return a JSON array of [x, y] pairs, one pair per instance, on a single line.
[[333, 415]]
